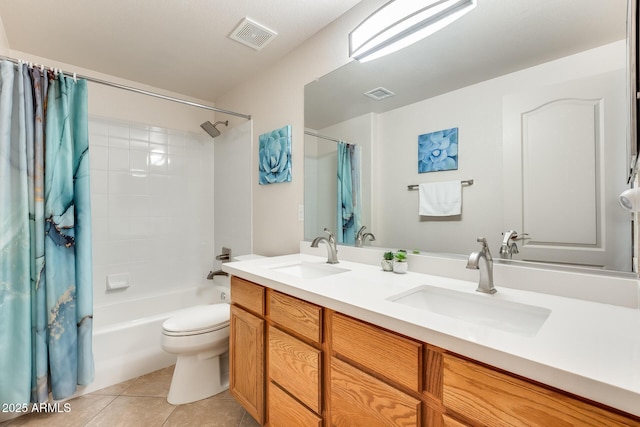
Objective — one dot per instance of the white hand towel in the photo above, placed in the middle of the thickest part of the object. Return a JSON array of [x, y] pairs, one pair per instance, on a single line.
[[440, 198]]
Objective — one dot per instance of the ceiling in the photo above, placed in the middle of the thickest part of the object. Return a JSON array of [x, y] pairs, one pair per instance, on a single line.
[[496, 38], [177, 45]]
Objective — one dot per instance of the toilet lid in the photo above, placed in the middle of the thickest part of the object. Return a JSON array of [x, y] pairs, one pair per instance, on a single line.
[[199, 318]]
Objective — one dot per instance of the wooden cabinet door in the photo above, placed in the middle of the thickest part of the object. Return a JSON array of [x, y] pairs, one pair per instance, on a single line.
[[246, 361]]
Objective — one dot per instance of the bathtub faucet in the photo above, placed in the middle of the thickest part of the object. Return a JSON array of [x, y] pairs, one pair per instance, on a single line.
[[225, 256], [212, 274]]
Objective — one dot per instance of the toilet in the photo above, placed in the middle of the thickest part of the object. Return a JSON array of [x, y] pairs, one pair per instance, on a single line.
[[199, 336]]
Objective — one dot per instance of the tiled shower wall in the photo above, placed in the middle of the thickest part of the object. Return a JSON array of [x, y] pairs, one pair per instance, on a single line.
[[152, 208]]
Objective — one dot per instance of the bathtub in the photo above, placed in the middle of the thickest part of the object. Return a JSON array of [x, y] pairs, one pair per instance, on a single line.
[[126, 336]]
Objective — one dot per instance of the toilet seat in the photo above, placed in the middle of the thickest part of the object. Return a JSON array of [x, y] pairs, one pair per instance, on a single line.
[[197, 320]]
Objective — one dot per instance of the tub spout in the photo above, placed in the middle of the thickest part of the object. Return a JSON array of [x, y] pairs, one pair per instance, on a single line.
[[212, 274]]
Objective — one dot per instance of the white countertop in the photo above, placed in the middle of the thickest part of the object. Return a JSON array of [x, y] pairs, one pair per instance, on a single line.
[[586, 348]]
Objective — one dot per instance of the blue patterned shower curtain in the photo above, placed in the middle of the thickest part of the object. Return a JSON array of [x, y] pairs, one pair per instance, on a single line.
[[349, 200], [46, 300]]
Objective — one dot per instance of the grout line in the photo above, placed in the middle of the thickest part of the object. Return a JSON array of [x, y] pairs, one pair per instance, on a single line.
[[100, 411]]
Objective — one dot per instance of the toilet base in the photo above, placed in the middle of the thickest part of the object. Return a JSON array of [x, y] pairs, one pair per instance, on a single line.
[[196, 377]]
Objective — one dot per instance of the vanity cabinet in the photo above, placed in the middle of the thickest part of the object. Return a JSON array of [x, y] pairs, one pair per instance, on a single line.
[[294, 363], [276, 370]]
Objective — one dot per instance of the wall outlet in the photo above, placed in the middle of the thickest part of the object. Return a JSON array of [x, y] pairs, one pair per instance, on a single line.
[[300, 212]]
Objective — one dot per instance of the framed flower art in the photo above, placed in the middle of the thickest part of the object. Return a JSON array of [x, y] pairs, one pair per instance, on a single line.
[[275, 156], [438, 151]]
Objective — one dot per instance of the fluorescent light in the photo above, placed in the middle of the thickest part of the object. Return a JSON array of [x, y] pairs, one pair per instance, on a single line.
[[401, 23]]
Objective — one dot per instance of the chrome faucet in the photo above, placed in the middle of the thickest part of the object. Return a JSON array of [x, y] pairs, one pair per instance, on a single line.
[[508, 247], [225, 256], [361, 236], [330, 242], [483, 261]]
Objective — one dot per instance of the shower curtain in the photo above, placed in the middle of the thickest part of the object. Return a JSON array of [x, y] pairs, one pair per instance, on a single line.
[[46, 300], [349, 218]]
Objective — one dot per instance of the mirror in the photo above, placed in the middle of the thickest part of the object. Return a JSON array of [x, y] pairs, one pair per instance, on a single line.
[[504, 64]]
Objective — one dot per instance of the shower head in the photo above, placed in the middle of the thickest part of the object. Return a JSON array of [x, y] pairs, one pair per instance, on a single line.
[[211, 129]]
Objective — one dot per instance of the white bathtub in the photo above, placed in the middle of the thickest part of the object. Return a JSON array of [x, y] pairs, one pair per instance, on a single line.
[[126, 336]]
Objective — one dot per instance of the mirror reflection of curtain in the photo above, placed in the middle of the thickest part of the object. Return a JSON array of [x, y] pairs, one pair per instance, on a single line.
[[349, 193], [46, 299]]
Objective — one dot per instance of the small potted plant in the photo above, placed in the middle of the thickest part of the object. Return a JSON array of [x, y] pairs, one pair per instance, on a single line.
[[387, 261], [400, 264]]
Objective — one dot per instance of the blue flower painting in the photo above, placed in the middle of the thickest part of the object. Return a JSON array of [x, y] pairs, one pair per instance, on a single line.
[[275, 156], [438, 151]]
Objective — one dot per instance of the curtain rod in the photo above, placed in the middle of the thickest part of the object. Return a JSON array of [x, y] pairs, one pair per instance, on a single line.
[[317, 135], [136, 90]]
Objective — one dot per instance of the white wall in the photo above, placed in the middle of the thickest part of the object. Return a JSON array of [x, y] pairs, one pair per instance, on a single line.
[[232, 177], [275, 97], [4, 43]]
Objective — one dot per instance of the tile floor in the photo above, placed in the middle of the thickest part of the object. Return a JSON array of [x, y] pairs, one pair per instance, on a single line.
[[141, 402]]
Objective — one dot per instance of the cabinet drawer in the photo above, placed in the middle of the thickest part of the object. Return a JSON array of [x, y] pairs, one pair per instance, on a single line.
[[358, 399], [247, 294], [295, 366], [396, 358], [447, 421], [286, 411], [300, 316], [496, 399]]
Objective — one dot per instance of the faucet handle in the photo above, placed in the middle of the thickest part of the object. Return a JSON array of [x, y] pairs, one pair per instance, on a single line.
[[485, 247], [520, 236], [332, 238]]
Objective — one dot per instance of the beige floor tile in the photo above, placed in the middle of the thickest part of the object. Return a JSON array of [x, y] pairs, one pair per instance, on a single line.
[[155, 384], [127, 411], [141, 402], [116, 389], [80, 411], [211, 412], [248, 421], [224, 395]]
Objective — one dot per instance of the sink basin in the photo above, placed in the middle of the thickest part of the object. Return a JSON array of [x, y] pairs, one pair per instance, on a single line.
[[307, 270], [484, 310]]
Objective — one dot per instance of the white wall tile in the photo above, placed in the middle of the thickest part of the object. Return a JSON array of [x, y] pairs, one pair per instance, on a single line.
[[98, 157], [98, 140], [119, 229], [119, 129], [118, 159], [139, 162], [99, 205], [99, 181], [152, 219], [158, 137], [118, 142]]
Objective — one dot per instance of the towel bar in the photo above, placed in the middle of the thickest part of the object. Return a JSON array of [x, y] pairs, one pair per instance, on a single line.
[[415, 186]]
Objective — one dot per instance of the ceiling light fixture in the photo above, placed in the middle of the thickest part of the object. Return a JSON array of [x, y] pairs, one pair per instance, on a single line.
[[401, 23]]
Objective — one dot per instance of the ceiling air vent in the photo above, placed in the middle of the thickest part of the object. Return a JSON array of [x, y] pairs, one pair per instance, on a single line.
[[252, 34], [379, 93]]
